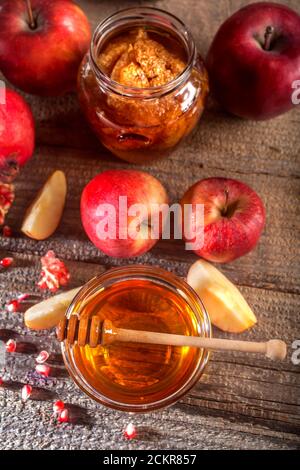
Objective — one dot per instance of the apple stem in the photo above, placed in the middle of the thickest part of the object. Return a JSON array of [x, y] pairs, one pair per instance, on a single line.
[[32, 22], [268, 38], [224, 211]]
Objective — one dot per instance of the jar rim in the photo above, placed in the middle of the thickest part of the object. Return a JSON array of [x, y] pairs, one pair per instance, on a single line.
[[154, 15], [163, 277]]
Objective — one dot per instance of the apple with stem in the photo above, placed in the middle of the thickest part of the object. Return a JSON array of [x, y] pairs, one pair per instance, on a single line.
[[117, 226], [234, 217], [254, 61], [42, 43], [17, 134]]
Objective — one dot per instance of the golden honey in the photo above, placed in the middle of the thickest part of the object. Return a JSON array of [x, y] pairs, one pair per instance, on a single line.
[[133, 376]]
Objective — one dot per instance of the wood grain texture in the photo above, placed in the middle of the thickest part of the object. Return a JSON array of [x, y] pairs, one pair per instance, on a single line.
[[241, 402]]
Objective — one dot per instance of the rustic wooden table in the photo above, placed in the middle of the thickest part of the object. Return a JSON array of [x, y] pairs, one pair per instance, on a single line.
[[242, 402]]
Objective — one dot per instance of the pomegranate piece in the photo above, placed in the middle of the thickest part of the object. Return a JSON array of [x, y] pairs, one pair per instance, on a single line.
[[54, 272], [7, 196]]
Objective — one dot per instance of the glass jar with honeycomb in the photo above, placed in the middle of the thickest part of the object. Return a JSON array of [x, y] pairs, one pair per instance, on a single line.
[[142, 86]]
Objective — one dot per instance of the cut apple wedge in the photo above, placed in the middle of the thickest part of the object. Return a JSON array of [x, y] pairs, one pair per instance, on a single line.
[[49, 312], [225, 305], [44, 214]]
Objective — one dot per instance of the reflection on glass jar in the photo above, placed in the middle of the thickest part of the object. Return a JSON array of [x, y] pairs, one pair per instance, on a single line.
[[134, 376], [142, 86]]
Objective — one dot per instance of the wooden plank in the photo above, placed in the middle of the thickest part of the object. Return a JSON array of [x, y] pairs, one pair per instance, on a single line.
[[234, 385], [278, 248], [99, 428]]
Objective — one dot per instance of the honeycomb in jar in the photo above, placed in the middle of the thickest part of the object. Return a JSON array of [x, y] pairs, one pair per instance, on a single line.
[[136, 60]]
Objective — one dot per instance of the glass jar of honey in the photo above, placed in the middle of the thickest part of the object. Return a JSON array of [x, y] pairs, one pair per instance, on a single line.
[[142, 86], [138, 377]]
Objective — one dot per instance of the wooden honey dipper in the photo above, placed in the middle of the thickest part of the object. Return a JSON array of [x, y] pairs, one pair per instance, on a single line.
[[94, 331]]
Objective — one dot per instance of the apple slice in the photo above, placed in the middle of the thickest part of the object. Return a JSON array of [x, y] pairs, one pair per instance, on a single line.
[[44, 214], [49, 312], [225, 305]]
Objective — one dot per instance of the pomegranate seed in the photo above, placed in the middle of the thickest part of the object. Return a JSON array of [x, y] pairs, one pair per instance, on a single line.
[[13, 306], [22, 297], [11, 346], [63, 416], [42, 357], [130, 431], [7, 231], [26, 392], [58, 406], [1, 381], [43, 369], [6, 262]]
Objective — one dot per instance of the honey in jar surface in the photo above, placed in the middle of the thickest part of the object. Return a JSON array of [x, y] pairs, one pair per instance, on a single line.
[[141, 126], [138, 374]]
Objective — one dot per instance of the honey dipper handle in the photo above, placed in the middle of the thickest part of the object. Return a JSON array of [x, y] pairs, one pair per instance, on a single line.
[[274, 349]]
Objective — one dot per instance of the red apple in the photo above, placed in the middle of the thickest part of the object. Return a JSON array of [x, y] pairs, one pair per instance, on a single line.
[[106, 188], [255, 59], [40, 54], [16, 134], [234, 217]]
